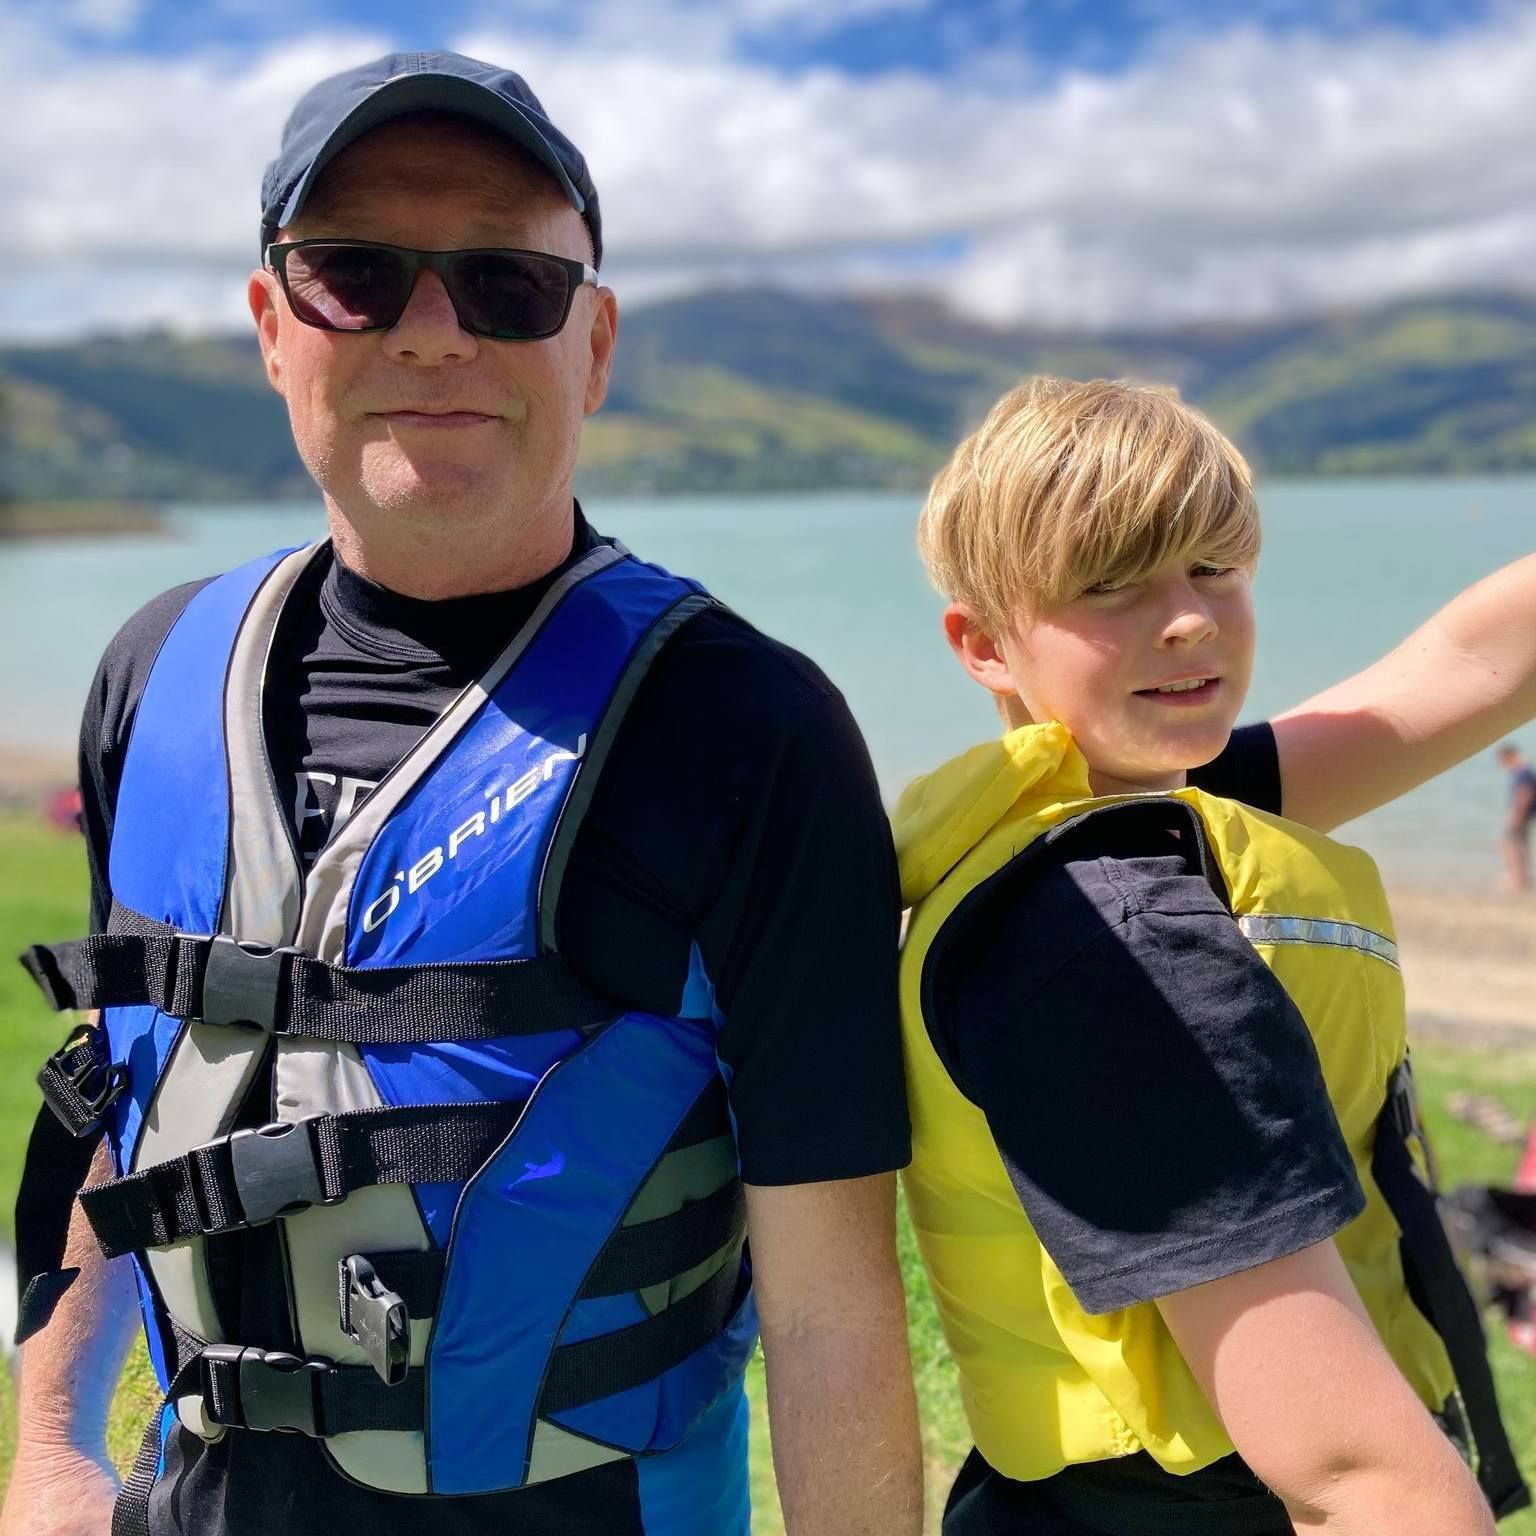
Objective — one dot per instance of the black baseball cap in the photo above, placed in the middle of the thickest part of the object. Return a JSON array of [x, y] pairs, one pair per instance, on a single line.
[[340, 110]]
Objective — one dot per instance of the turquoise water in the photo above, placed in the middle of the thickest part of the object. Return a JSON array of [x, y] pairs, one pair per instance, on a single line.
[[1349, 568]]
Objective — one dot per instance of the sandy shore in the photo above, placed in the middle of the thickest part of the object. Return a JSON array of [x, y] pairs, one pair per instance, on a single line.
[[1469, 961], [1468, 953], [29, 775]]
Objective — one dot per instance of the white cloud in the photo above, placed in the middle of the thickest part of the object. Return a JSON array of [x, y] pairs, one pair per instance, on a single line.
[[1250, 174]]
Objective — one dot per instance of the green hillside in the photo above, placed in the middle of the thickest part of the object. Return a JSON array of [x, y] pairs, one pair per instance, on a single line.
[[756, 389]]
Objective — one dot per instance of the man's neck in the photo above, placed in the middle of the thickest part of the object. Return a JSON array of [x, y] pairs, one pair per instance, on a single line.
[[439, 560]]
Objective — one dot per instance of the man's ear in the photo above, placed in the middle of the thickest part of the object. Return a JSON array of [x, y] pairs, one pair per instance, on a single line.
[[605, 332], [977, 650], [263, 296]]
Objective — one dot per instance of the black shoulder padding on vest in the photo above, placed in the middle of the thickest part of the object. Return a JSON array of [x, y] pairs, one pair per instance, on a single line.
[[1151, 825]]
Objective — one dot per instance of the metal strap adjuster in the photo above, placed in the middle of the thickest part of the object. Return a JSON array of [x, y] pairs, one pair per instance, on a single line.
[[248, 1388], [276, 1169], [376, 1319], [242, 980]]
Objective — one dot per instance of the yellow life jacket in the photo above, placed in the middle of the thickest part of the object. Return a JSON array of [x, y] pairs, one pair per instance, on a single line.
[[1045, 1383]]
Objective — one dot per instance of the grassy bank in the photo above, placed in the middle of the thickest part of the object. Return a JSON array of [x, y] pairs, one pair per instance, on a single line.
[[42, 895]]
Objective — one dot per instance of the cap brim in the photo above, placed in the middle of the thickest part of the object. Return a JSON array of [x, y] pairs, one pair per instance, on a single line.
[[432, 93]]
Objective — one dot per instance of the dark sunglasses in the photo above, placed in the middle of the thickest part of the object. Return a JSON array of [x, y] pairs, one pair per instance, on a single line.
[[361, 285]]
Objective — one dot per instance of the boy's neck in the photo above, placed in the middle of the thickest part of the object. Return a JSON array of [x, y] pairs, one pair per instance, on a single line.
[[1107, 784]]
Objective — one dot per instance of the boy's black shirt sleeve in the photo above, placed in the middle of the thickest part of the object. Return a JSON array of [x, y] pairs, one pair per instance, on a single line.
[[1247, 770], [1154, 1093]]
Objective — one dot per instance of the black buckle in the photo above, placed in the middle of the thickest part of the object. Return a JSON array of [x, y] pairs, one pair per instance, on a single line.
[[241, 981], [273, 1390], [276, 1169], [1403, 1107], [376, 1318], [80, 1100]]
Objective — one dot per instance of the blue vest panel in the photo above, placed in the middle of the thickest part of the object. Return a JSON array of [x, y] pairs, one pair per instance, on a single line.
[[458, 870]]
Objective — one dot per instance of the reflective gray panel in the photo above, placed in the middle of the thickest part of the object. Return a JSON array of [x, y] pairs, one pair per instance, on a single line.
[[689, 1174], [1265, 929], [261, 888], [558, 1453], [314, 1077]]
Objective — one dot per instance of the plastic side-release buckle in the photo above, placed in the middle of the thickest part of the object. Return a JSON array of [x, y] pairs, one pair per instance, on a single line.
[[80, 1081], [375, 1318], [242, 981], [1402, 1107], [276, 1170], [272, 1390]]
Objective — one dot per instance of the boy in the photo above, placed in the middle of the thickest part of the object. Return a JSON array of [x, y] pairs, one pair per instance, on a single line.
[[1154, 1038]]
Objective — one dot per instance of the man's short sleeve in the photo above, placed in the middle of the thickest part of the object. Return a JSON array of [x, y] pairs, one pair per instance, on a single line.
[[1154, 1092], [802, 946]]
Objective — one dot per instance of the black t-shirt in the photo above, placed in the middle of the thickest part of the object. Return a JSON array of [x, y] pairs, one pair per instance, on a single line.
[[1170, 1126], [737, 811]]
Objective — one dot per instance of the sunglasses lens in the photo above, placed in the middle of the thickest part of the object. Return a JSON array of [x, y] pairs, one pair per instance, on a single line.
[[510, 295], [347, 287]]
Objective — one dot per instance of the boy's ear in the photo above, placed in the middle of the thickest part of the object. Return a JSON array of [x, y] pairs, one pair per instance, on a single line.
[[978, 651]]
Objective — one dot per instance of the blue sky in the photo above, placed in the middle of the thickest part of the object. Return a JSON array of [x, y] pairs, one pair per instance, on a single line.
[[1060, 162], [932, 37]]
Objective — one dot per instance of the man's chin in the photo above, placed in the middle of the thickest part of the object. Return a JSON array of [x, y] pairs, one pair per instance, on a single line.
[[437, 492]]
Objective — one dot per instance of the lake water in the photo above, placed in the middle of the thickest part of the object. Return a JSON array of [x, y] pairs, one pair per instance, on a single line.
[[1349, 568]]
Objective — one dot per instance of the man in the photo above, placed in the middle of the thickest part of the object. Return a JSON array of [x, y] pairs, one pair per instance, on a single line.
[[1519, 813], [402, 732]]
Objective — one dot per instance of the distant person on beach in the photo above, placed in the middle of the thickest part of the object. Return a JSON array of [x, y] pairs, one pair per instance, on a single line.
[[1166, 1168], [494, 933], [1520, 812]]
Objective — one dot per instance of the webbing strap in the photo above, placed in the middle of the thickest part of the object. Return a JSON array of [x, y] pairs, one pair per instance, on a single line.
[[251, 1176], [217, 980], [615, 1362], [652, 1252], [130, 1513], [267, 1390], [256, 1389], [1442, 1293], [634, 1257]]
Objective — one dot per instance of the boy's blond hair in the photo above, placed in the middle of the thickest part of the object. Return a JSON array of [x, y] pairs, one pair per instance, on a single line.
[[1066, 485]]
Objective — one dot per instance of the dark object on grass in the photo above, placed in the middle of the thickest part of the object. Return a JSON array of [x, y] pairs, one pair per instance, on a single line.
[[1496, 1229]]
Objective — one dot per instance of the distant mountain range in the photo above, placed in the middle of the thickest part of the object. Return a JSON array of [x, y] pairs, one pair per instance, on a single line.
[[757, 389]]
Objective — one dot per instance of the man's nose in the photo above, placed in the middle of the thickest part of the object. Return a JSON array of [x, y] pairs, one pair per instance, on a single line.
[[428, 330]]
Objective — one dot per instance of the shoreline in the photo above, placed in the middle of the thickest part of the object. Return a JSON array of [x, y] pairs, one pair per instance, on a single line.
[[46, 521], [1468, 951]]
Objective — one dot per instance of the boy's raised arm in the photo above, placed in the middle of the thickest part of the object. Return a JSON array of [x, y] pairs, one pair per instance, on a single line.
[[1457, 684], [1288, 1358]]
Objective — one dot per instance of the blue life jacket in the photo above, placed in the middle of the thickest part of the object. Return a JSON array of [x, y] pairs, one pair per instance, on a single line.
[[510, 1214]]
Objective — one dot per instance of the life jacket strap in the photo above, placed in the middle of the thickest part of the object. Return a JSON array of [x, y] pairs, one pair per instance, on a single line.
[[611, 1363], [217, 979], [635, 1257], [80, 1081], [251, 1176], [1441, 1292], [243, 1387], [259, 1389]]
